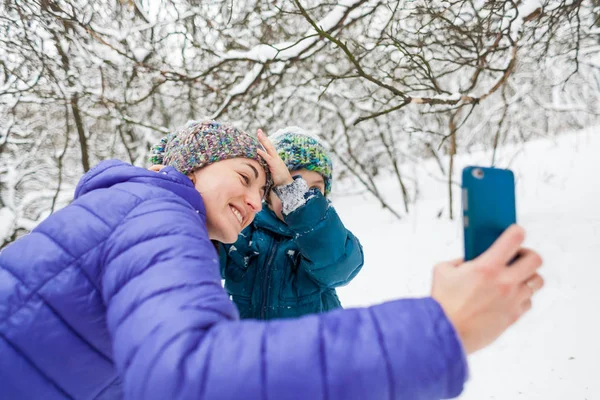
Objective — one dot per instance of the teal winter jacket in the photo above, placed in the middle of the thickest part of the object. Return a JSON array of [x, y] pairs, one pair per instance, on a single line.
[[282, 270]]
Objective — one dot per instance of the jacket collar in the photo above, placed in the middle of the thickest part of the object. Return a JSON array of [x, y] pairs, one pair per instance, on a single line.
[[267, 220]]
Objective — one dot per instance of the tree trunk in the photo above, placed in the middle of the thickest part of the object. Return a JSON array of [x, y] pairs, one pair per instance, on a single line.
[[85, 160], [452, 152]]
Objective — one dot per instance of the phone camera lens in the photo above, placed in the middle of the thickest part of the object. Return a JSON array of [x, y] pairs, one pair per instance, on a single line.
[[478, 173]]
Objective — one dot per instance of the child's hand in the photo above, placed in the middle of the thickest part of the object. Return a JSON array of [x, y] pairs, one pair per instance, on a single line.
[[279, 172]]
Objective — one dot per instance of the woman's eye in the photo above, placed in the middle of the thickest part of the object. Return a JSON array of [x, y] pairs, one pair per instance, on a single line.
[[245, 178]]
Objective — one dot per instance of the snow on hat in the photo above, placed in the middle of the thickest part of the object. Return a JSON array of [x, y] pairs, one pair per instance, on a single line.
[[200, 143], [300, 150]]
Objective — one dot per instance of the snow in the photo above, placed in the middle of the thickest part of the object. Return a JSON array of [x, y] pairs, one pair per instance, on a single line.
[[247, 81], [337, 13], [262, 53], [292, 195], [553, 352], [140, 53], [525, 9], [7, 218]]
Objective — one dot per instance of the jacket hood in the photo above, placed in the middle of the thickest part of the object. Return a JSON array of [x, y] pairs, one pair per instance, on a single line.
[[111, 172]]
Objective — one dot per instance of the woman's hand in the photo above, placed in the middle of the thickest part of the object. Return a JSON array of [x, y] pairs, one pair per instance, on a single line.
[[279, 171], [485, 296]]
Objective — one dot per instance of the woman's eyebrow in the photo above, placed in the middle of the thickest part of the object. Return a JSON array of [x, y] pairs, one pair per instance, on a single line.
[[253, 169]]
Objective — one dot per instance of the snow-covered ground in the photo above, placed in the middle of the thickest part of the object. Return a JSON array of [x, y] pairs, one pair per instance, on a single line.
[[554, 351]]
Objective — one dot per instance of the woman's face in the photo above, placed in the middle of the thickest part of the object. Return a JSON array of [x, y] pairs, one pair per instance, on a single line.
[[232, 191], [312, 178]]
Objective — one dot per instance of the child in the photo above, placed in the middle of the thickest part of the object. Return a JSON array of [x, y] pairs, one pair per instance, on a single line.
[[289, 261]]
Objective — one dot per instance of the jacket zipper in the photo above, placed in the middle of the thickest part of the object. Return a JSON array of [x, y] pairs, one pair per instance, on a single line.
[[263, 308]]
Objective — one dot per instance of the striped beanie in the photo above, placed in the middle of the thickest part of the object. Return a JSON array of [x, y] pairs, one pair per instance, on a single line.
[[300, 150], [200, 143]]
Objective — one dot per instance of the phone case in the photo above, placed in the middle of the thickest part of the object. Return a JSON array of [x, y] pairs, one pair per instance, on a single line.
[[488, 198]]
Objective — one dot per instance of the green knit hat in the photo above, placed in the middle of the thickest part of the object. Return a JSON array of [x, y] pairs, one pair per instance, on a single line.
[[200, 143], [300, 150]]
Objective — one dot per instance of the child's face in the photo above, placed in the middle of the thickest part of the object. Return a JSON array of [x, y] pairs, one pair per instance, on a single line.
[[312, 178]]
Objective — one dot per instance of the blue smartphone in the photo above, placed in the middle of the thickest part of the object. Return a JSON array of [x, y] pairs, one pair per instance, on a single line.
[[488, 203]]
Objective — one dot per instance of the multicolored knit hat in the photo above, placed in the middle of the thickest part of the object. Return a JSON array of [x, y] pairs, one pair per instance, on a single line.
[[200, 143], [300, 150]]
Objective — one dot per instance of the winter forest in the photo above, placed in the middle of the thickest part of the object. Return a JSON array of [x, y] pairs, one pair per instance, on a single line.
[[387, 84]]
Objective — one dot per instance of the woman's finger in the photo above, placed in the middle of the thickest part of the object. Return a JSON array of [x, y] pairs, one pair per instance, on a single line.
[[530, 287], [266, 142], [279, 171], [156, 167], [271, 162], [263, 153], [525, 266], [268, 159], [504, 249], [457, 262], [525, 306]]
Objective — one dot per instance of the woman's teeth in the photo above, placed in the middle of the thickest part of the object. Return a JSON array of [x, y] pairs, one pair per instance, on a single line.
[[237, 214]]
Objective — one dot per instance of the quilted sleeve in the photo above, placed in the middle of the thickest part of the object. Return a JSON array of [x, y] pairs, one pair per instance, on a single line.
[[176, 335]]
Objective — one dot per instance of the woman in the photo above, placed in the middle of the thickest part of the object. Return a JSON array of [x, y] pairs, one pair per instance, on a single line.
[[289, 261], [118, 295]]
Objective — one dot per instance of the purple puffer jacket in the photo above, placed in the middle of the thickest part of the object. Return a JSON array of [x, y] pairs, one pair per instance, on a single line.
[[119, 295]]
